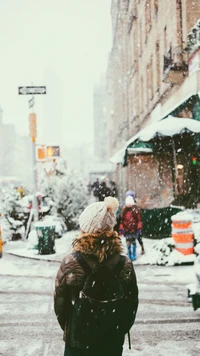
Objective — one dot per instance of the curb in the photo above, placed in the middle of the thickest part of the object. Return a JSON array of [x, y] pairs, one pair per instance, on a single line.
[[33, 258], [57, 261]]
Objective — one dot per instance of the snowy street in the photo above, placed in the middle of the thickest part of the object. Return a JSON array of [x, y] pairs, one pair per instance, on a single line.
[[165, 325]]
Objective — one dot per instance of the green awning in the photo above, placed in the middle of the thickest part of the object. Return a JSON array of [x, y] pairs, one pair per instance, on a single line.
[[140, 147]]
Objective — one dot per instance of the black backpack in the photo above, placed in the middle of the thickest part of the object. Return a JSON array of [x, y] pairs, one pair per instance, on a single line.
[[104, 309]]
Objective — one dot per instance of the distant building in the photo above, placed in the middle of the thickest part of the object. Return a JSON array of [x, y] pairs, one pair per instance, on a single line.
[[51, 132], [79, 158], [8, 149], [23, 160], [15, 154], [100, 121]]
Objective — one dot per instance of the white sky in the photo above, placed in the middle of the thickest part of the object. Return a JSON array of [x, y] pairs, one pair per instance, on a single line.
[[63, 44]]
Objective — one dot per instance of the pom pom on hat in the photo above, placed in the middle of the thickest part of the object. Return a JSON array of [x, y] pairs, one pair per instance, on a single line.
[[129, 201], [112, 204], [99, 216]]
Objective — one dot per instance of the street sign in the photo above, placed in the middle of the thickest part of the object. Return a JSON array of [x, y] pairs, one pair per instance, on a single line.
[[31, 102], [32, 90]]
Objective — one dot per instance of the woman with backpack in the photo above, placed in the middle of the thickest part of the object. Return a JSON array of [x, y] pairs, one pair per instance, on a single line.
[[131, 224], [96, 293]]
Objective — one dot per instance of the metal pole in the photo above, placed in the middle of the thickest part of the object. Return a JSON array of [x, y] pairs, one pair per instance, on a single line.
[[174, 169], [35, 204]]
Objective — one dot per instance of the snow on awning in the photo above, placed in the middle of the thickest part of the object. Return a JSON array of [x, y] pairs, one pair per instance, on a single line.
[[119, 156], [168, 127]]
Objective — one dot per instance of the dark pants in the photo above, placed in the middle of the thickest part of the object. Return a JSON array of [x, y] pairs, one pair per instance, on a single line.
[[114, 349], [140, 241]]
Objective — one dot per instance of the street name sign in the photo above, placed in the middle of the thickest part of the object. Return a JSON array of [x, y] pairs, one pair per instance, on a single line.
[[32, 90]]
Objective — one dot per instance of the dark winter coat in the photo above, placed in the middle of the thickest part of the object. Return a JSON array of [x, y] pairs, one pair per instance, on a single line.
[[95, 248], [131, 219], [104, 191]]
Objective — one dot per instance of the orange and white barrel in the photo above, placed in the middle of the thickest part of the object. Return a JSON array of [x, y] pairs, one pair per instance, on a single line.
[[182, 233]]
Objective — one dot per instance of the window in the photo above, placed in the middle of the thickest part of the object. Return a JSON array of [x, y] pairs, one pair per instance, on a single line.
[[155, 9], [141, 95], [147, 18], [151, 78], [141, 44], [165, 41], [150, 81], [148, 85], [158, 65]]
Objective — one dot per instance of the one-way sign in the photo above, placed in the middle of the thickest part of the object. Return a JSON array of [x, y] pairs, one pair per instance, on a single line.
[[31, 90]]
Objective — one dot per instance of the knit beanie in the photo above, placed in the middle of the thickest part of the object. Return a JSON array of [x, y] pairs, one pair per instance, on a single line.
[[99, 216], [129, 201], [131, 193]]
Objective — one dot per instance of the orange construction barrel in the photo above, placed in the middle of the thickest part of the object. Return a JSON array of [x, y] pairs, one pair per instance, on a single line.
[[182, 233]]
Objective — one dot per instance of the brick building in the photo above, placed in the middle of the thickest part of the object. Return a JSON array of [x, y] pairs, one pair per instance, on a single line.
[[153, 72]]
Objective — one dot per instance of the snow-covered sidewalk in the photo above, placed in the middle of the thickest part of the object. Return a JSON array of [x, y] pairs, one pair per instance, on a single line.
[[24, 248], [156, 251]]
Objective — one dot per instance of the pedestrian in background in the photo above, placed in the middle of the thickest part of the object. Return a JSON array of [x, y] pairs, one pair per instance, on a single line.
[[131, 223], [114, 191], [100, 250], [139, 235], [95, 188], [104, 191]]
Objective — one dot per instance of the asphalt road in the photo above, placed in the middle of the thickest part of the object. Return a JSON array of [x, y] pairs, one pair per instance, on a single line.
[[165, 325]]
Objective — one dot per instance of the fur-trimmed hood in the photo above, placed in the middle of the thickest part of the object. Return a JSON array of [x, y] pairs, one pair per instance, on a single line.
[[101, 245]]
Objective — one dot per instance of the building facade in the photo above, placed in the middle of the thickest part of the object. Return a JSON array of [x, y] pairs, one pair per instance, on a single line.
[[153, 72], [100, 121]]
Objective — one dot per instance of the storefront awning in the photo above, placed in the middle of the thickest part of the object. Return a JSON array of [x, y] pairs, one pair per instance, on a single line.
[[168, 127], [139, 147], [135, 148]]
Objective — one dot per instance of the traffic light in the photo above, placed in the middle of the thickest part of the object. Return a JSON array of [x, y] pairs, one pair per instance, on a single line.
[[50, 151], [194, 161], [53, 151], [41, 153]]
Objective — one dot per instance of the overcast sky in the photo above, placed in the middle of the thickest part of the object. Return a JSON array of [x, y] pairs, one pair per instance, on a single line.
[[63, 44]]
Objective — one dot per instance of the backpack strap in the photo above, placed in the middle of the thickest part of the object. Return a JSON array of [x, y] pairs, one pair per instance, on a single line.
[[119, 266], [82, 262]]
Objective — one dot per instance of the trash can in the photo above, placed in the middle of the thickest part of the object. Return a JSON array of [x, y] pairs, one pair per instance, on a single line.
[[182, 233], [46, 237]]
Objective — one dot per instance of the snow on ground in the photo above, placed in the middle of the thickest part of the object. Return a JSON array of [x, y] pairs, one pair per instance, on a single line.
[[156, 251], [27, 249], [185, 274]]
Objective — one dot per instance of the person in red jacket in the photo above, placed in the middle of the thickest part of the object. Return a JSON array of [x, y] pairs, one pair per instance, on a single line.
[[131, 223]]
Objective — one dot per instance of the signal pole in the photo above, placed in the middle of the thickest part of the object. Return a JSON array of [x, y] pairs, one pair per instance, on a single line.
[[33, 90], [33, 135]]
